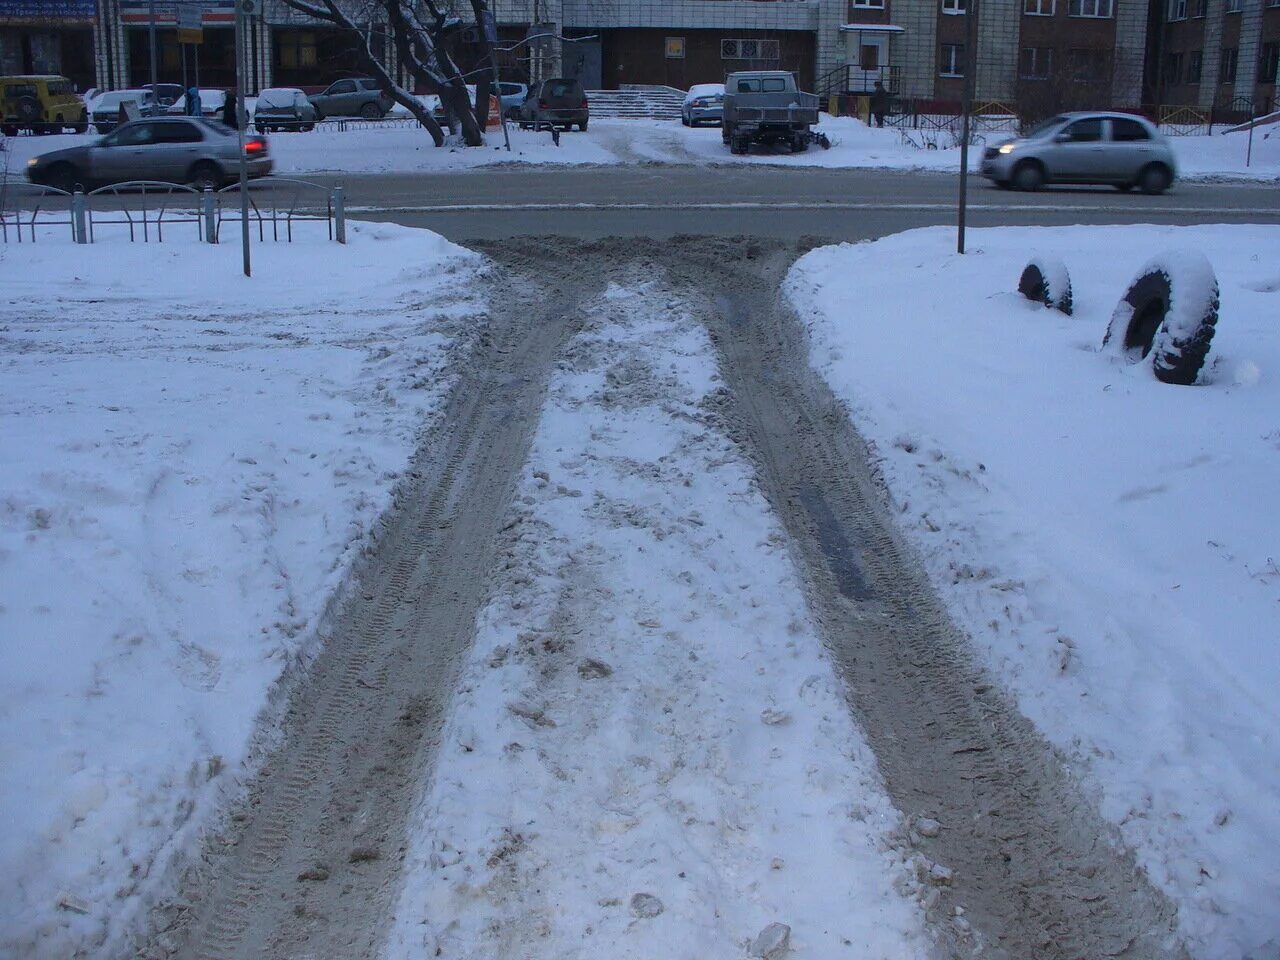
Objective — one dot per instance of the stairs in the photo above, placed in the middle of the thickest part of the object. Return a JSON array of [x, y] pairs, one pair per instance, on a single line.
[[636, 103]]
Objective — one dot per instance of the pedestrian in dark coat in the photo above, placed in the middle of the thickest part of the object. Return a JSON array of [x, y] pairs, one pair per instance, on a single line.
[[230, 115], [879, 103], [193, 101]]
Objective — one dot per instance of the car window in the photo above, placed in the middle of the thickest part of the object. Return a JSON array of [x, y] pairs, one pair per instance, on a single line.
[[1128, 130], [369, 84], [299, 98], [177, 131], [16, 90], [60, 88], [561, 88], [1044, 126], [773, 85], [343, 86], [748, 86], [1084, 131], [134, 135]]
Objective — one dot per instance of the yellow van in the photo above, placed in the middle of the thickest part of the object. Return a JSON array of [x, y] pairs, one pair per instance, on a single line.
[[41, 105]]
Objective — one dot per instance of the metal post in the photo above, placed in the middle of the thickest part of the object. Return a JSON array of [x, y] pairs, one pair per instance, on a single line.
[[207, 202], [970, 81], [242, 121], [1253, 122], [78, 232], [151, 9], [339, 215], [196, 49]]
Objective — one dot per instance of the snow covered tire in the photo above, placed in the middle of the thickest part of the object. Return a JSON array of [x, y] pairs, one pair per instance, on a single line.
[[1045, 280], [1170, 311]]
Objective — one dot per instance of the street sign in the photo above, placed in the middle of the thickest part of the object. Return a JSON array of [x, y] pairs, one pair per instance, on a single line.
[[490, 26], [190, 20]]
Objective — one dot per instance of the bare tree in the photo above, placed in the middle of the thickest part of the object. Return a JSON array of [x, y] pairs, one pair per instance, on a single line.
[[422, 44]]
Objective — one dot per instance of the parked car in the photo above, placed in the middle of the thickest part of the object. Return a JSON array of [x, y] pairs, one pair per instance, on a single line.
[[765, 106], [41, 104], [704, 103], [283, 108], [558, 102], [511, 95], [167, 94], [436, 106], [106, 110], [212, 101], [191, 150], [1119, 149], [357, 97]]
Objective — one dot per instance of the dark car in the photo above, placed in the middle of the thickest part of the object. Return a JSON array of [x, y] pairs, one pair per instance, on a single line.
[[106, 108], [357, 97], [558, 102], [283, 108], [191, 150]]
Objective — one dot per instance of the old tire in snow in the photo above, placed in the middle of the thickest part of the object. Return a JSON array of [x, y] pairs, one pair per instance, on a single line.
[[1170, 311], [1045, 280]]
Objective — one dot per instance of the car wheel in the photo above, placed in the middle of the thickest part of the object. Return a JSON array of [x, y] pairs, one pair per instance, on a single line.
[[1154, 179], [102, 128], [260, 127], [63, 176], [685, 120], [1124, 187], [1028, 175], [9, 130], [81, 127], [205, 176], [1170, 311], [371, 111], [308, 127], [583, 126]]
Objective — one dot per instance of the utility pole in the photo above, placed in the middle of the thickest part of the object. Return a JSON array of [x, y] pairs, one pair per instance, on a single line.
[[151, 10], [966, 106], [243, 7]]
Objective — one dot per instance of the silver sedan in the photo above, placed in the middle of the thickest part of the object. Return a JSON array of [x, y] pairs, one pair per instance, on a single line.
[[1119, 149], [191, 150]]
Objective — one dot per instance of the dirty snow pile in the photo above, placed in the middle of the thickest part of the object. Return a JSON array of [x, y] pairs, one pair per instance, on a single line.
[[649, 755], [189, 464], [1110, 542]]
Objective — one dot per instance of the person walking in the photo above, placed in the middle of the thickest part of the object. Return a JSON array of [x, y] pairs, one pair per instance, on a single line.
[[193, 102], [879, 103], [230, 113]]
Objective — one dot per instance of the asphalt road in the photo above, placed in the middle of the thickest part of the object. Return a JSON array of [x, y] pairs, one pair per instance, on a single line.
[[663, 201]]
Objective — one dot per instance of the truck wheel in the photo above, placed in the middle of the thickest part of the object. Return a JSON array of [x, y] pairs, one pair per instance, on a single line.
[[799, 143]]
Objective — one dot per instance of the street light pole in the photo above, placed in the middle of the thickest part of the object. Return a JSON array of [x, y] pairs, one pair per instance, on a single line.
[[242, 119], [966, 106], [151, 11]]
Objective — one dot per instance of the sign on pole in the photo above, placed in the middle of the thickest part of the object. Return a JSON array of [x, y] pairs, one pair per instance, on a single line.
[[190, 20]]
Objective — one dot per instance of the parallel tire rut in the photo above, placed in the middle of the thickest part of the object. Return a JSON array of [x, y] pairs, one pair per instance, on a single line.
[[312, 858]]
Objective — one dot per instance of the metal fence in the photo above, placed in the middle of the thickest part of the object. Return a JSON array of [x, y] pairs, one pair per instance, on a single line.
[[151, 211]]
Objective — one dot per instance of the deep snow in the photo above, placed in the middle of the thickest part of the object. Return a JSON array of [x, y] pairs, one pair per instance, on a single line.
[[649, 754], [189, 464], [1109, 541], [854, 144]]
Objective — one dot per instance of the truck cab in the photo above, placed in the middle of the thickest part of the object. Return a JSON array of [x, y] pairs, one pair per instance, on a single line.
[[765, 106]]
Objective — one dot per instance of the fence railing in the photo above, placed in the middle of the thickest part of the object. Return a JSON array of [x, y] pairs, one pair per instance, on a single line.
[[150, 210]]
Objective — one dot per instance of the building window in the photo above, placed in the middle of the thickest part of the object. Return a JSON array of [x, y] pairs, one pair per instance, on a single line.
[[954, 6], [1172, 69], [295, 48], [1176, 10], [675, 48], [1087, 66], [1036, 63], [868, 4], [1233, 6], [1227, 68], [1199, 8], [1039, 8], [1269, 62], [951, 60], [1195, 60], [1091, 8], [749, 50]]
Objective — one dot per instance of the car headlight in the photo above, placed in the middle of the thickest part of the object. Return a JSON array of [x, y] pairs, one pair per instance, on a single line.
[[1006, 148], [33, 162]]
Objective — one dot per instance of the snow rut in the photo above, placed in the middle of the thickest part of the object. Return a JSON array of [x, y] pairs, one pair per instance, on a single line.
[[308, 867]]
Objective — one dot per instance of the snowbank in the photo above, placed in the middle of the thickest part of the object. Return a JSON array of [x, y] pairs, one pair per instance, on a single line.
[[190, 462], [649, 754], [1110, 542], [854, 145]]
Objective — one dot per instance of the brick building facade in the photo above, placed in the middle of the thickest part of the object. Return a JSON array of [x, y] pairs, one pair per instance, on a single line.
[[1219, 55]]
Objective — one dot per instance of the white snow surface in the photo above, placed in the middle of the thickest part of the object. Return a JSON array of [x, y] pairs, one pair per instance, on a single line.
[[1108, 541], [854, 144], [189, 464], [648, 711]]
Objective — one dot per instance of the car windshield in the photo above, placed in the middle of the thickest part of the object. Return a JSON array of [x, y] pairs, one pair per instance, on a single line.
[[276, 98], [1045, 125], [559, 88], [116, 97]]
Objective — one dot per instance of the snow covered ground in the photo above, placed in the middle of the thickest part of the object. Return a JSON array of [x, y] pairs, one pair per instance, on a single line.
[[649, 755], [190, 462], [1110, 542], [854, 144]]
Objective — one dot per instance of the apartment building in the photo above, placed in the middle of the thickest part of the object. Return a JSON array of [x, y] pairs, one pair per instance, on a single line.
[[1040, 54], [1219, 55]]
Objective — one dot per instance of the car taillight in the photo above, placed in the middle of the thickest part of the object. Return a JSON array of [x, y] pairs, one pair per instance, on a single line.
[[255, 146], [542, 104], [584, 103]]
